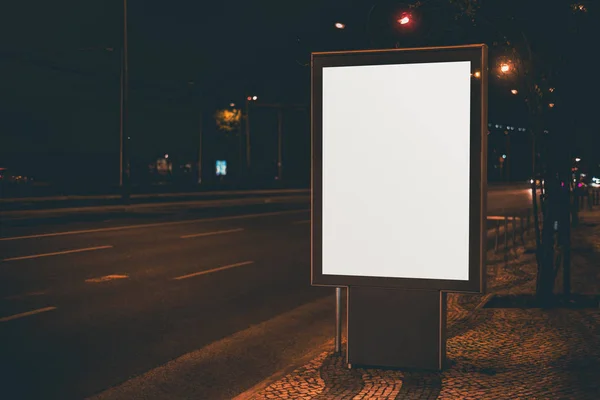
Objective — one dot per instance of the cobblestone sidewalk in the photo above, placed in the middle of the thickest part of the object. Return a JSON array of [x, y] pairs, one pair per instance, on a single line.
[[493, 353]]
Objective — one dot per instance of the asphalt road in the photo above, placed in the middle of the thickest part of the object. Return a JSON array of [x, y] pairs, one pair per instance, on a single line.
[[116, 300], [87, 303]]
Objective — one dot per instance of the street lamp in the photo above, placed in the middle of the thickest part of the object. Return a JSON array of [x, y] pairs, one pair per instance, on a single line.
[[200, 133], [124, 151], [340, 25], [248, 100], [514, 91], [577, 159], [504, 68], [551, 105], [477, 74]]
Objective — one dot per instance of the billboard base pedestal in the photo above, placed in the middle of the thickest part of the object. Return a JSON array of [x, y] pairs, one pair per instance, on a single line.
[[396, 328]]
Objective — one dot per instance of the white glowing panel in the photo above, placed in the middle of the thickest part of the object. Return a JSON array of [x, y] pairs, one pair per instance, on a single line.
[[396, 142]]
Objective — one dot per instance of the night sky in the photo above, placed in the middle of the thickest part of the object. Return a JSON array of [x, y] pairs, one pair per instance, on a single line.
[[59, 69]]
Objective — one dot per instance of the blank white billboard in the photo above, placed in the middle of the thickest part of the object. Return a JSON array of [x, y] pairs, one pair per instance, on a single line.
[[395, 170]]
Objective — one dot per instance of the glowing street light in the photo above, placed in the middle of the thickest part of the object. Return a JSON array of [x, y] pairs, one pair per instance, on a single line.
[[231, 104], [551, 105], [166, 156], [249, 99], [477, 74], [514, 91], [504, 156], [339, 25], [577, 159], [551, 90], [504, 68]]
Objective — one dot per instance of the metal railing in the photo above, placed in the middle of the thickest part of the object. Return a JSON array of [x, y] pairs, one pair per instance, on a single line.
[[591, 197]]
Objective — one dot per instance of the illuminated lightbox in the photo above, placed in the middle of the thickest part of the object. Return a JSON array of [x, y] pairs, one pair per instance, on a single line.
[[221, 167], [399, 168]]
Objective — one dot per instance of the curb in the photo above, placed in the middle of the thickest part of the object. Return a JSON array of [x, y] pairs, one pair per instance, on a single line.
[[26, 214], [155, 195], [308, 357], [482, 303]]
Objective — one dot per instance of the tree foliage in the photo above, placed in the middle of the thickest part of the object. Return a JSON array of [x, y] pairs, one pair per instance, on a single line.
[[228, 120]]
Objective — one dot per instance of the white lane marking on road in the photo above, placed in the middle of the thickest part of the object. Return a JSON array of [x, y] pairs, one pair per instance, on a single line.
[[307, 221], [57, 253], [121, 228], [213, 270], [26, 314], [106, 278], [211, 233]]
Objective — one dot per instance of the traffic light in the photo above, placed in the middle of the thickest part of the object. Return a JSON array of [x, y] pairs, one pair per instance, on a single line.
[[405, 18]]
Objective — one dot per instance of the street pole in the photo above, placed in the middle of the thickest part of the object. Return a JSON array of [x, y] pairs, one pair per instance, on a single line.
[[125, 164], [566, 236], [240, 149], [533, 155], [338, 320], [279, 108], [248, 135], [121, 123], [508, 160], [200, 128], [279, 143]]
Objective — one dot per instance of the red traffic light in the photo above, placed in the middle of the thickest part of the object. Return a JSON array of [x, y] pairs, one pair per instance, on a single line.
[[404, 19]]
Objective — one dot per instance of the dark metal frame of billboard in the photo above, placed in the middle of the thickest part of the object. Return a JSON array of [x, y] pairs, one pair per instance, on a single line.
[[477, 55]]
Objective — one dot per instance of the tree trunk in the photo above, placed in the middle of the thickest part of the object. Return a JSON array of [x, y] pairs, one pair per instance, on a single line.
[[575, 204], [546, 267], [565, 235]]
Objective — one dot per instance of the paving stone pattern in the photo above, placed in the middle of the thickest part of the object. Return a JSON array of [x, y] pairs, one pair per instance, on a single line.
[[493, 353]]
